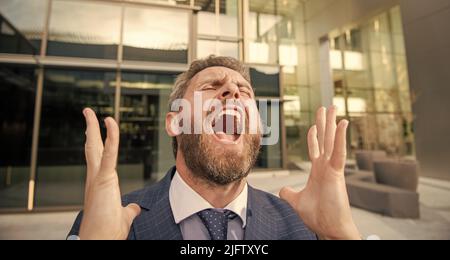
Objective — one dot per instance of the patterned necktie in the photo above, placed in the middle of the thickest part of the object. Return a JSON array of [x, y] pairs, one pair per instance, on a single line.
[[216, 222]]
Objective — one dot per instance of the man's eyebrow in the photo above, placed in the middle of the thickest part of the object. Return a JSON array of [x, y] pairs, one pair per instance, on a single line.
[[216, 80], [245, 84], [209, 80]]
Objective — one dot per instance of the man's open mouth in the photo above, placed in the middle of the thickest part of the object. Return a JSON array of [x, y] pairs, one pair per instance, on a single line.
[[227, 125]]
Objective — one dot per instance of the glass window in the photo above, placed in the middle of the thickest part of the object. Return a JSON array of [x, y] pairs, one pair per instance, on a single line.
[[145, 148], [206, 17], [219, 48], [387, 100], [21, 25], [372, 88], [391, 133], [17, 92], [276, 28], [159, 35], [294, 76], [230, 49], [61, 165], [206, 48], [360, 101], [263, 46], [363, 132], [270, 155], [84, 29], [228, 18], [225, 23], [266, 81], [382, 68], [296, 136]]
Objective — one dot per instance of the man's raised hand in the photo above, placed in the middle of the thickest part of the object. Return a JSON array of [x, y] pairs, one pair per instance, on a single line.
[[104, 216]]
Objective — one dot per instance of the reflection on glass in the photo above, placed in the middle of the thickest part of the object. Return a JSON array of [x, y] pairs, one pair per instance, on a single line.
[[372, 87], [230, 49], [387, 100], [224, 24], [84, 29], [297, 126], [270, 156], [228, 18], [61, 166], [295, 75], [23, 31], [363, 132], [17, 92], [144, 146], [206, 48], [262, 40], [154, 34], [206, 17], [266, 81], [382, 69]]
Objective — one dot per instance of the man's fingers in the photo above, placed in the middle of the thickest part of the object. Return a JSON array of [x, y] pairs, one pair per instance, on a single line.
[[313, 144], [110, 153], [339, 155], [290, 196], [94, 145], [132, 211], [330, 131], [320, 123]]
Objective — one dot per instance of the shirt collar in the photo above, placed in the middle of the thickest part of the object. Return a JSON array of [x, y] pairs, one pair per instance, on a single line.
[[185, 202]]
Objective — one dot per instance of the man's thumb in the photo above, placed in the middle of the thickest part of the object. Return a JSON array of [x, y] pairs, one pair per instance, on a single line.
[[133, 210], [289, 195]]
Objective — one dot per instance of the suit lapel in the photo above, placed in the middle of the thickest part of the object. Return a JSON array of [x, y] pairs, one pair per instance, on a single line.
[[261, 224]]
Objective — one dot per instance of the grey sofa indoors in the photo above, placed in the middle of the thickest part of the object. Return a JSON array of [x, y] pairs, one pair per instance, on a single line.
[[390, 188]]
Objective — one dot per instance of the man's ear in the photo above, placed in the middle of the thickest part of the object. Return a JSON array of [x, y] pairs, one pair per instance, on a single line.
[[173, 128]]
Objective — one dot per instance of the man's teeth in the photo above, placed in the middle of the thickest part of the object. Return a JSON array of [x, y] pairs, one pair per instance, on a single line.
[[227, 122], [231, 113]]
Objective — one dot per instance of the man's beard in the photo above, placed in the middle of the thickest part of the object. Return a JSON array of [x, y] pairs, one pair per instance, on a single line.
[[214, 163]]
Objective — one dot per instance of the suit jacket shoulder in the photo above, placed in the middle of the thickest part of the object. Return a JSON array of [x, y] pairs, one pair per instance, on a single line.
[[274, 219]]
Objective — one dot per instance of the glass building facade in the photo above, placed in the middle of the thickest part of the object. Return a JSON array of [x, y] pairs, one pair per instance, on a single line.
[[371, 84], [121, 58]]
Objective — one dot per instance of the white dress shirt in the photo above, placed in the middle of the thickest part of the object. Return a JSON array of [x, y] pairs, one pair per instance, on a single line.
[[186, 203]]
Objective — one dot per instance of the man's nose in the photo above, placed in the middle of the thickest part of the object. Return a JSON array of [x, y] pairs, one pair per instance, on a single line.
[[230, 91]]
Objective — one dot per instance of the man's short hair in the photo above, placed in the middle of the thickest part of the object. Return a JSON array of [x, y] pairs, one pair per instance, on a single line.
[[183, 80]]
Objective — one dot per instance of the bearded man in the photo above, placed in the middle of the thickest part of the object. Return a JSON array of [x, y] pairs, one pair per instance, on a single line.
[[205, 196]]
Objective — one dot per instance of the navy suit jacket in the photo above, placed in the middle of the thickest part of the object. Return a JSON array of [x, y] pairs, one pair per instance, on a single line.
[[268, 217]]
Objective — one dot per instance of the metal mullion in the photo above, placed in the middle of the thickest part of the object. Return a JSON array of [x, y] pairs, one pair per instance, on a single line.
[[119, 67], [35, 139], [45, 32], [37, 112], [217, 20], [192, 44], [244, 29]]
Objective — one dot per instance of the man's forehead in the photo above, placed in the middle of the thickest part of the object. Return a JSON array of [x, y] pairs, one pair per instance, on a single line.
[[217, 72]]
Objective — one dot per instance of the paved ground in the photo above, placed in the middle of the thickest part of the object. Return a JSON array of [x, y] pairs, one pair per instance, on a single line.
[[434, 222]]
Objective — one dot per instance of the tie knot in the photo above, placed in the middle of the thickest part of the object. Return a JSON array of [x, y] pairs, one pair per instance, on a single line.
[[216, 222]]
